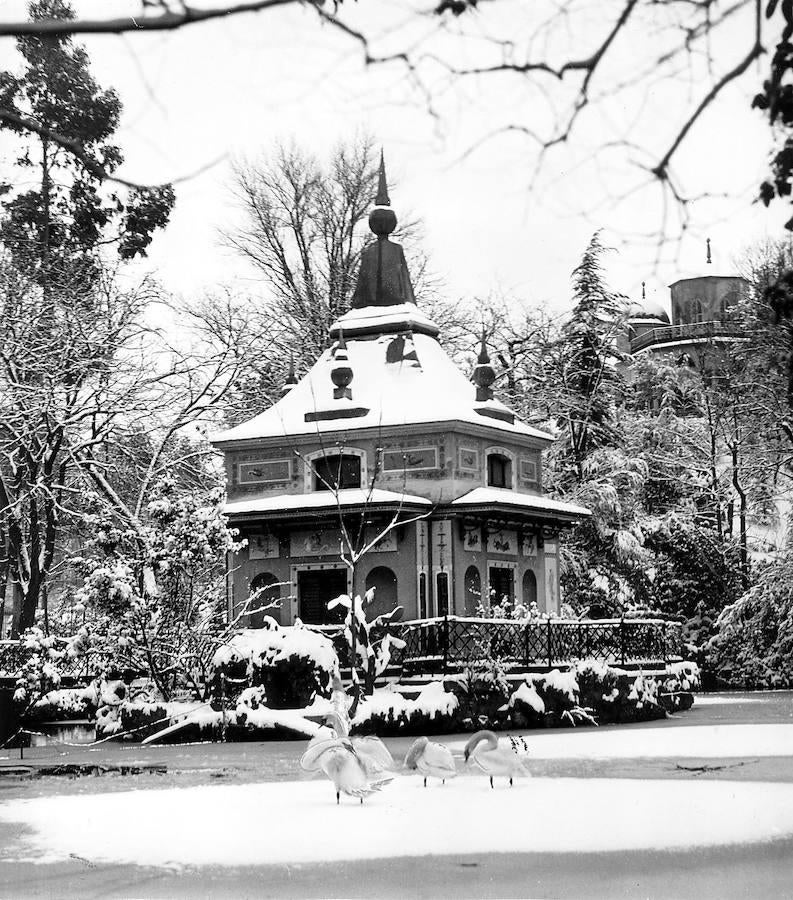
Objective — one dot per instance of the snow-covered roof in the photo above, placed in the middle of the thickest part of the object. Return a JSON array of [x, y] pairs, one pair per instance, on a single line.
[[647, 309], [319, 500], [399, 317], [487, 496], [398, 379]]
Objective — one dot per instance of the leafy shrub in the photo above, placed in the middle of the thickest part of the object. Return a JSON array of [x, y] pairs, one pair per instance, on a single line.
[[63, 705], [753, 646], [589, 693]]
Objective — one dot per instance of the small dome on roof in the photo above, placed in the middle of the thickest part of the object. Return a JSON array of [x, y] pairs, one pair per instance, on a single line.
[[647, 309]]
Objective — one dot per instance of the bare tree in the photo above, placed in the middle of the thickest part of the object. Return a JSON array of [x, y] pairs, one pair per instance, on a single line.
[[303, 231], [570, 59], [95, 407]]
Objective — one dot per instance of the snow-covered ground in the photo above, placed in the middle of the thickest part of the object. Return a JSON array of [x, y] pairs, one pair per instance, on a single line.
[[299, 822], [693, 742]]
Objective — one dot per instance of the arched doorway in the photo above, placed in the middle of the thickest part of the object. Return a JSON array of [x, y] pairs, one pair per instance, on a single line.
[[267, 583], [473, 590], [530, 589], [384, 581]]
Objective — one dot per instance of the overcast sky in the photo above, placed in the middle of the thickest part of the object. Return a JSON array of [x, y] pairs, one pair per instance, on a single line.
[[211, 92]]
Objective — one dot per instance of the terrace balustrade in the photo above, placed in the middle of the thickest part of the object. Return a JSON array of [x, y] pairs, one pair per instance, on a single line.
[[670, 334], [450, 643]]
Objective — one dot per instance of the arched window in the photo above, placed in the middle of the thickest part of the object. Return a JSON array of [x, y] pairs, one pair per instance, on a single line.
[[728, 304], [473, 590], [529, 588], [694, 312], [267, 583], [384, 582], [337, 470], [499, 470]]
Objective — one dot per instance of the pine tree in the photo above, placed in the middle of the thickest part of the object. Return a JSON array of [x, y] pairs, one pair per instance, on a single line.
[[54, 230], [591, 381]]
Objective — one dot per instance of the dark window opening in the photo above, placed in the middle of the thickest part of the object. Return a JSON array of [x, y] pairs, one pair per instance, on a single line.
[[337, 471], [502, 586], [423, 595], [473, 590], [257, 609], [529, 588], [315, 590], [499, 471], [442, 582]]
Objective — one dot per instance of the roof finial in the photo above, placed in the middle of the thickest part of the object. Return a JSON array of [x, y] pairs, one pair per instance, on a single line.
[[707, 244], [644, 296], [341, 373], [382, 198], [291, 378], [484, 374], [382, 219]]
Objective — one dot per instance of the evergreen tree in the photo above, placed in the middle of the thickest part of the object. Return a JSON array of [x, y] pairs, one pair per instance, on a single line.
[[54, 230], [591, 383]]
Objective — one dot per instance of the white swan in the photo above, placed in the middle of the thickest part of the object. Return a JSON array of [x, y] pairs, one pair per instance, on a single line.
[[493, 760], [430, 759], [354, 765], [351, 772]]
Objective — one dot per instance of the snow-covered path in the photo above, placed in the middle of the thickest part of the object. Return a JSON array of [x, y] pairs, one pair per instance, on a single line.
[[299, 822], [669, 741]]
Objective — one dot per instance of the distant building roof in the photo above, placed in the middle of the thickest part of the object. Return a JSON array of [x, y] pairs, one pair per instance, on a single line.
[[645, 310]]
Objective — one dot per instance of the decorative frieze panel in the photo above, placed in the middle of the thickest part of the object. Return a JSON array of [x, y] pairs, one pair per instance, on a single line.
[[504, 540], [472, 538], [328, 542], [468, 459], [410, 459], [529, 545], [263, 546], [528, 471], [265, 471]]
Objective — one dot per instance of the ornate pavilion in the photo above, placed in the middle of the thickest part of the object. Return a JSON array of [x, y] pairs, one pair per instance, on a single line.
[[385, 442], [705, 318]]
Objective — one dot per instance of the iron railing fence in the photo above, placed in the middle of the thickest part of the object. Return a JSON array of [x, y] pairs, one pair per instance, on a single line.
[[450, 643], [688, 332]]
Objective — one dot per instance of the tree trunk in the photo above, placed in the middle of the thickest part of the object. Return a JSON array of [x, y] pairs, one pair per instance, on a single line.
[[742, 539]]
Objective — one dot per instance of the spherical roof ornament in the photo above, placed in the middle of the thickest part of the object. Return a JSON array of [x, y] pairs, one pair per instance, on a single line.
[[484, 374], [341, 374], [382, 219]]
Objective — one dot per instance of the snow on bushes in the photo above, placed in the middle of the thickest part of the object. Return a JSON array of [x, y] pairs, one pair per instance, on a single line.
[[292, 665], [388, 712], [63, 705], [590, 692]]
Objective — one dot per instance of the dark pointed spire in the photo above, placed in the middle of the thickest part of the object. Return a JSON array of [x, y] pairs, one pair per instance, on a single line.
[[382, 219], [382, 198], [484, 374], [383, 279], [291, 378], [644, 296], [707, 244]]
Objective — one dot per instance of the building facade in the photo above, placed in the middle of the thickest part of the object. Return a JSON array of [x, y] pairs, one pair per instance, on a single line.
[[385, 467], [703, 320]]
